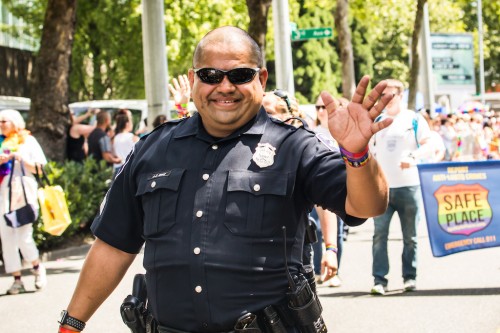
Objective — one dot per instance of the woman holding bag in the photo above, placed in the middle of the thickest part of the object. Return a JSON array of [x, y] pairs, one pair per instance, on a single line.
[[17, 143]]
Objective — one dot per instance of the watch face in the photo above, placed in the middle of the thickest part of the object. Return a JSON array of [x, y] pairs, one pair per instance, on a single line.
[[63, 315]]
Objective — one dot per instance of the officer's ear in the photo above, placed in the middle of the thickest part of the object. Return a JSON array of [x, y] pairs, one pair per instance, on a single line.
[[191, 78], [263, 75]]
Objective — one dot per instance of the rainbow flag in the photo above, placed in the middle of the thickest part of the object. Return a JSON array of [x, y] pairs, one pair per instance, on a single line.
[[462, 205]]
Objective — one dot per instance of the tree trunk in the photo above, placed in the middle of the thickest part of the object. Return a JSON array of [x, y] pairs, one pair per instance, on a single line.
[[257, 28], [49, 113], [345, 46], [415, 55]]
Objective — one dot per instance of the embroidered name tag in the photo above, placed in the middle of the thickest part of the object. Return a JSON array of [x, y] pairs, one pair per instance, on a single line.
[[161, 174]]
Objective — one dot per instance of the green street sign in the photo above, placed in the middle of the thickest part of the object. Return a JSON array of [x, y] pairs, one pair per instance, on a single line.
[[312, 33]]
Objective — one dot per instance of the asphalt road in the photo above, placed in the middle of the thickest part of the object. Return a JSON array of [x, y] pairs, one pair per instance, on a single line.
[[457, 293]]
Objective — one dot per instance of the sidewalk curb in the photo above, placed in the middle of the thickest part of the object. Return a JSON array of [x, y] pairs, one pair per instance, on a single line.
[[75, 251], [64, 253]]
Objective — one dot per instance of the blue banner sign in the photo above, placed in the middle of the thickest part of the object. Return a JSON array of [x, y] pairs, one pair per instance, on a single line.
[[462, 205]]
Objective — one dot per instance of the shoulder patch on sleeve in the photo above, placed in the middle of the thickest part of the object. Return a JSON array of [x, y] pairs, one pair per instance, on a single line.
[[327, 141]]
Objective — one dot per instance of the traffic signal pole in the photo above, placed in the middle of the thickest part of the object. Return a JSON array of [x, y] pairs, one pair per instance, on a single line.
[[283, 47]]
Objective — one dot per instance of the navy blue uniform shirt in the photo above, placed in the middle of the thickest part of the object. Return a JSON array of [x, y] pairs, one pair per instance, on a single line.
[[211, 217]]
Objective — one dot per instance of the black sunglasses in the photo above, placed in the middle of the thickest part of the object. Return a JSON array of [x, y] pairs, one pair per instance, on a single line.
[[235, 76], [283, 95], [319, 107]]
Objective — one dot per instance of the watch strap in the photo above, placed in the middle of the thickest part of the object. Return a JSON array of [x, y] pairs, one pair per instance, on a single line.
[[66, 319]]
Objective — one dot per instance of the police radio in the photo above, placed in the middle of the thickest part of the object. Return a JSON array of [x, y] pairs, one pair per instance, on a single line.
[[303, 303]]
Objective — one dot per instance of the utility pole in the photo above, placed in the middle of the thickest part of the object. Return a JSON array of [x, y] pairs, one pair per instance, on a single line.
[[283, 46], [481, 53], [155, 59], [426, 63]]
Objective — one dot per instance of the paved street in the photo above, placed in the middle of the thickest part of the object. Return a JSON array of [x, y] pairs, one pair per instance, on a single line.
[[458, 293]]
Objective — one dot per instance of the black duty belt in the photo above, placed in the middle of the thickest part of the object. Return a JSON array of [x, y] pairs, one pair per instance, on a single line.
[[163, 329]]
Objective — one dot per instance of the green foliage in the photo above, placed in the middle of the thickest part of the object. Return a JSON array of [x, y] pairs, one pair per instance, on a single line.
[[188, 21], [107, 51], [491, 37], [85, 186], [107, 57], [32, 13]]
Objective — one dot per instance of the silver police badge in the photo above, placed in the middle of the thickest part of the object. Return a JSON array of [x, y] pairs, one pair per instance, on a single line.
[[264, 155]]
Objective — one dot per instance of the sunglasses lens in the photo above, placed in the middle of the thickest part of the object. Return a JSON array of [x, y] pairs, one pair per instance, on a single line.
[[235, 76], [210, 75], [241, 75]]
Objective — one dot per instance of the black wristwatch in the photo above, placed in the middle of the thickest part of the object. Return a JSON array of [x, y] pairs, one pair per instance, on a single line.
[[66, 319]]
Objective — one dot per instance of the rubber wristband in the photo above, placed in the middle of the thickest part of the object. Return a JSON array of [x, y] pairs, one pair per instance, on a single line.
[[353, 156], [66, 330], [355, 160], [332, 248]]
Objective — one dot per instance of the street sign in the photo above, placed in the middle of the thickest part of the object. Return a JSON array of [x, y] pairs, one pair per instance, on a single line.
[[311, 33], [453, 59]]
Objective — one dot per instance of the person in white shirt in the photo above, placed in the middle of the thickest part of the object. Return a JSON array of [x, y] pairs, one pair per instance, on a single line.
[[397, 149], [124, 140]]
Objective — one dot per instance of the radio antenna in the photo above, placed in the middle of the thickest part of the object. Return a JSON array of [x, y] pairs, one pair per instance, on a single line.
[[288, 275]]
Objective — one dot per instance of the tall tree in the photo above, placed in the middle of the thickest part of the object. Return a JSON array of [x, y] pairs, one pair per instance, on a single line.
[[257, 27], [341, 15], [415, 55], [49, 114], [107, 53]]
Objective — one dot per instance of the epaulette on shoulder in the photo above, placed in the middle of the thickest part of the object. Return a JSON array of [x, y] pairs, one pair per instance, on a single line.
[[173, 122], [286, 122]]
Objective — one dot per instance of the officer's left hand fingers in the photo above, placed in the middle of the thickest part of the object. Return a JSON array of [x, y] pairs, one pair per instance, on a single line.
[[331, 104], [374, 95], [359, 93], [380, 125]]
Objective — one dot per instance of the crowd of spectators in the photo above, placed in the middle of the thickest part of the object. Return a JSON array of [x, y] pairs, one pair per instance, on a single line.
[[469, 136]]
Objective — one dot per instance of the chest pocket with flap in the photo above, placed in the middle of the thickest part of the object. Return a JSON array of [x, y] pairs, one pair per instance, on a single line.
[[256, 202], [159, 192]]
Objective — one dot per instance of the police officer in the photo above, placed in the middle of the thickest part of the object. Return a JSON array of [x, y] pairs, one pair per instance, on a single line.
[[208, 196]]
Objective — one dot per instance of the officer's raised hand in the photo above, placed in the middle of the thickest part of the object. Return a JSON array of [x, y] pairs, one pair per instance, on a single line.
[[353, 126]]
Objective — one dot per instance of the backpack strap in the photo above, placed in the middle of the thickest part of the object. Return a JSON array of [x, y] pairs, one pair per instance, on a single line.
[[415, 128]]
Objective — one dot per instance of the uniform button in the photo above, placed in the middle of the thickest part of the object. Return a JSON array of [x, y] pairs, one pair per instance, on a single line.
[[196, 250], [256, 187], [153, 184], [215, 147], [198, 289], [199, 213], [205, 325], [206, 176]]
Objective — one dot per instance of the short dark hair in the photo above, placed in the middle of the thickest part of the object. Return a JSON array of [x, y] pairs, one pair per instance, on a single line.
[[255, 50], [102, 116]]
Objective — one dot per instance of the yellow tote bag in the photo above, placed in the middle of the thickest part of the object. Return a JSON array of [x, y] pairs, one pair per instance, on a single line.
[[54, 209], [53, 205]]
